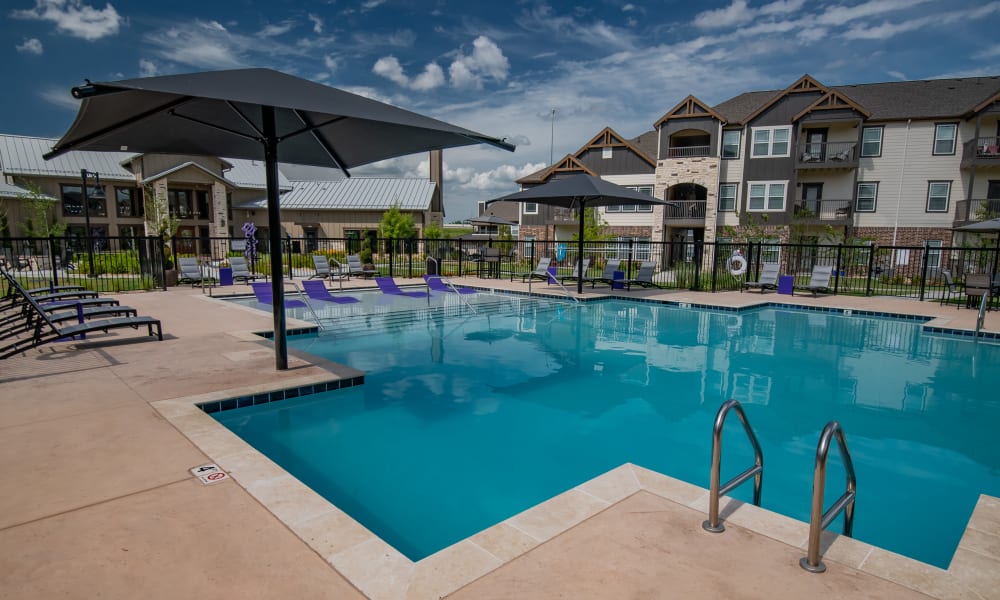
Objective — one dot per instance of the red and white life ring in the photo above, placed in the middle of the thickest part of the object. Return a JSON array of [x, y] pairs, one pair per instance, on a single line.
[[737, 265]]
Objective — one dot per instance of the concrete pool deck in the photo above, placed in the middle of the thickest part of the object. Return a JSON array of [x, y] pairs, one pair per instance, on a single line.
[[97, 440]]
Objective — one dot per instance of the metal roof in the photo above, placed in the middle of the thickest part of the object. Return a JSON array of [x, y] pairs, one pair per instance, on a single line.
[[9, 190], [22, 155], [355, 193], [181, 167]]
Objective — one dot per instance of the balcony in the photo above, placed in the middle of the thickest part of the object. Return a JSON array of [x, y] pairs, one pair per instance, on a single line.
[[685, 212], [564, 216], [833, 212], [981, 152], [688, 151], [827, 155], [973, 211]]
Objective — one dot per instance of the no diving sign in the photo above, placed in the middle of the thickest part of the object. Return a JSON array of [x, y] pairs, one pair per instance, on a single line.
[[210, 473]]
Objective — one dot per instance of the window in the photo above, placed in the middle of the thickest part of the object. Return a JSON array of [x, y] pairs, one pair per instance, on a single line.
[[867, 193], [127, 202], [933, 253], [937, 196], [766, 196], [871, 141], [944, 138], [731, 143], [606, 152], [72, 202], [530, 208], [181, 203], [770, 141], [727, 197]]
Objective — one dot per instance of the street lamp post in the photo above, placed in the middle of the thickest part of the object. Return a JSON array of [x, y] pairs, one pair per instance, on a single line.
[[98, 195]]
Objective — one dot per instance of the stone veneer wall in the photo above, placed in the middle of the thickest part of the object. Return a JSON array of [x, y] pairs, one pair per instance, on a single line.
[[219, 225], [703, 171]]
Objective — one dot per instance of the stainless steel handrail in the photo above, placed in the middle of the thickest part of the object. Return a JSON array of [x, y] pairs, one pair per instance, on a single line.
[[308, 303], [981, 318], [448, 283], [552, 279], [716, 490], [819, 520]]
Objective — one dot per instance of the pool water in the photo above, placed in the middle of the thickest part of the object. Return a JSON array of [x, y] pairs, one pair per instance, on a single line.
[[464, 421]]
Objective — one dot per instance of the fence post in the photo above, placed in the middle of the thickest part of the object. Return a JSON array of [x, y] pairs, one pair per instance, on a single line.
[[715, 267], [836, 279], [160, 250], [873, 250], [52, 261], [392, 255], [290, 273], [631, 257], [923, 271], [697, 257]]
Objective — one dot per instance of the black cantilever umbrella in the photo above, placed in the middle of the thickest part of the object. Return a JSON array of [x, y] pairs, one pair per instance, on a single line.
[[579, 192], [256, 114]]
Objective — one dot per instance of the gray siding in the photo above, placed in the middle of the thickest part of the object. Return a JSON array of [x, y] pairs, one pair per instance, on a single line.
[[782, 112], [825, 116], [708, 125], [622, 162]]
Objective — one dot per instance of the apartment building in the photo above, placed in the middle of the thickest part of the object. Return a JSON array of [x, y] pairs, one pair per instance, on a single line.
[[899, 163]]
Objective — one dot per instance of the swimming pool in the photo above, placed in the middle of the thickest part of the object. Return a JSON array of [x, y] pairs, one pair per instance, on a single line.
[[465, 420]]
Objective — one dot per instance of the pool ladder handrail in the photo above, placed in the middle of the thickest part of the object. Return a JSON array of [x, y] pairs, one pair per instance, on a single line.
[[819, 520], [552, 279], [981, 317], [307, 301], [716, 490]]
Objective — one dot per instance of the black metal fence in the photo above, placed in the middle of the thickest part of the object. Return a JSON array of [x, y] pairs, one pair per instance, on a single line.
[[140, 263]]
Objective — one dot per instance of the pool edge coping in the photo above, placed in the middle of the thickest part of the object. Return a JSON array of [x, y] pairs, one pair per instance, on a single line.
[[380, 571]]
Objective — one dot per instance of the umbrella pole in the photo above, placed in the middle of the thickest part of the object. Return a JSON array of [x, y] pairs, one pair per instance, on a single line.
[[579, 255], [274, 224]]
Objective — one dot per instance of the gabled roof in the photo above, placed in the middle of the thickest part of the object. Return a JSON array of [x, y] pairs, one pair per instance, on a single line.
[[647, 143], [22, 155], [609, 138], [181, 167], [832, 100], [736, 109], [688, 108], [567, 164], [805, 84], [357, 193], [250, 174]]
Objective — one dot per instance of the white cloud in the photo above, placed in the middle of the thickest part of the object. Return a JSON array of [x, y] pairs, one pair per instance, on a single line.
[[371, 5], [331, 62], [75, 18], [988, 52], [317, 22], [486, 59], [431, 78], [147, 68], [276, 29], [543, 20], [896, 75], [389, 67], [735, 14], [781, 7], [60, 97], [628, 7], [31, 46]]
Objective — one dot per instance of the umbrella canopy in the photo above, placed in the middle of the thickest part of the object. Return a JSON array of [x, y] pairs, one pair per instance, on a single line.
[[251, 114], [990, 226], [579, 192], [490, 220]]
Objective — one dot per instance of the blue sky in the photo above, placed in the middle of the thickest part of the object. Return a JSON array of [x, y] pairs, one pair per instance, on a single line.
[[500, 68]]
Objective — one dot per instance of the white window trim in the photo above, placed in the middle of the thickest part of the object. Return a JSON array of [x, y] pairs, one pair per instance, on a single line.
[[933, 248], [767, 194], [524, 208], [607, 152], [739, 142], [954, 139], [736, 197], [881, 138], [947, 197], [857, 188], [770, 141]]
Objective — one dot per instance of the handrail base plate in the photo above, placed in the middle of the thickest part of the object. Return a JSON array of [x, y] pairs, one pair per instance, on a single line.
[[708, 527], [804, 563]]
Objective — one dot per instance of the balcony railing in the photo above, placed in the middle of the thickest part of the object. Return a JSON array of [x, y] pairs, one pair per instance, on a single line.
[[688, 151], [691, 210], [806, 211], [981, 151], [561, 216], [981, 209], [827, 155]]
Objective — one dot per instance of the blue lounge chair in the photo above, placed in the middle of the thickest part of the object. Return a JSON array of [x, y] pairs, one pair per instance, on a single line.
[[388, 286], [316, 290], [262, 290], [436, 284]]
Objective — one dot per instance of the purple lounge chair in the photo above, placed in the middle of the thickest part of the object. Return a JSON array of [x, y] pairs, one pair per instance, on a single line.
[[316, 290]]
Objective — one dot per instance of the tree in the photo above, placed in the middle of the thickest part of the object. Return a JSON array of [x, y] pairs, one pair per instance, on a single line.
[[397, 225], [159, 220], [433, 232], [595, 228], [40, 220]]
